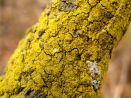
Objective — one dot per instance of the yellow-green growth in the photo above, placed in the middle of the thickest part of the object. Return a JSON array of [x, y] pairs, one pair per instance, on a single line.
[[66, 54]]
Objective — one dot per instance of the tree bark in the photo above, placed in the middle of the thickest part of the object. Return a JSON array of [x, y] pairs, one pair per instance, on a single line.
[[66, 54]]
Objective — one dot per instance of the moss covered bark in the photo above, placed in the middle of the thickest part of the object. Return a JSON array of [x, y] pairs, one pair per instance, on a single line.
[[66, 54]]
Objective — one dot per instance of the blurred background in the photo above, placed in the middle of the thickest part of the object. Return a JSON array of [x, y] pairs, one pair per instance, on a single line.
[[18, 15]]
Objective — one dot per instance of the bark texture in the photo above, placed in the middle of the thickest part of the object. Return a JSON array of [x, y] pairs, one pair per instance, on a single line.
[[66, 54]]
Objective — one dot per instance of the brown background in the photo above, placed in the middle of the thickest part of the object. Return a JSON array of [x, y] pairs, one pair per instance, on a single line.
[[17, 15]]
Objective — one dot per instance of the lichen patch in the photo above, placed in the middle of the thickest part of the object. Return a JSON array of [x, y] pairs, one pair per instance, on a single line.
[[93, 68], [66, 5]]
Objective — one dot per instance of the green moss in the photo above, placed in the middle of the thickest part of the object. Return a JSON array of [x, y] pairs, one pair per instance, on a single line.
[[51, 60]]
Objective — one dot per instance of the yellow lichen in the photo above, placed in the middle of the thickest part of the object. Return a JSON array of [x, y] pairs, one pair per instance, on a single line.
[[54, 59]]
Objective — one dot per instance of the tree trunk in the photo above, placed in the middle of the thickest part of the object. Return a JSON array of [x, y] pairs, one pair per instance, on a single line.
[[66, 54]]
